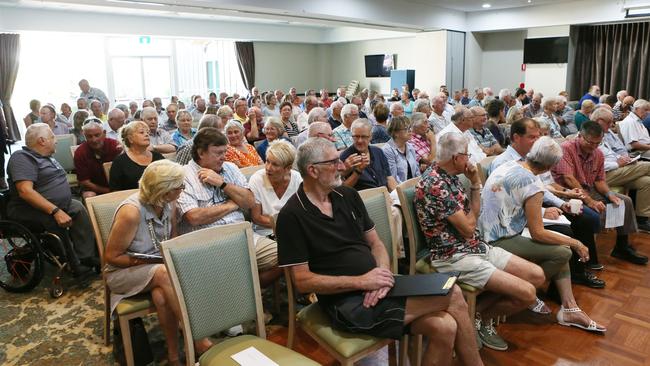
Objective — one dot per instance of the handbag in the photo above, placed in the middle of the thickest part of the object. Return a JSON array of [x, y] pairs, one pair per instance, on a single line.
[[142, 354]]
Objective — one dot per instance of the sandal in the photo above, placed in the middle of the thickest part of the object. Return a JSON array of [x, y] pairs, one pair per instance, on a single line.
[[592, 327], [539, 307]]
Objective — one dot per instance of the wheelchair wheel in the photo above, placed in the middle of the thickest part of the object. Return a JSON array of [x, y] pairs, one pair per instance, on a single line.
[[20, 251]]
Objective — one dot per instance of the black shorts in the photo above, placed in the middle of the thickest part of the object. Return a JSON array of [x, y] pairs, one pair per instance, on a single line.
[[384, 320]]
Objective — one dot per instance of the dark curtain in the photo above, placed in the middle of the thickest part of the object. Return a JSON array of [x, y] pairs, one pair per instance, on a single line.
[[9, 54], [246, 63], [613, 56]]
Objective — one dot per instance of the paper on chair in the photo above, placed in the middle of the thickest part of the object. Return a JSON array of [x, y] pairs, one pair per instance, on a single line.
[[252, 357], [615, 215], [526, 233]]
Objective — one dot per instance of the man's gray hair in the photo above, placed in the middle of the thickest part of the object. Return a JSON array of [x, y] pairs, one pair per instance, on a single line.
[[361, 123], [504, 93], [394, 106], [36, 131], [148, 110], [421, 105], [544, 154], [336, 105], [641, 103], [460, 114], [450, 144], [311, 151], [209, 120], [315, 113], [601, 113], [418, 118], [318, 127], [621, 94], [92, 122], [547, 101], [538, 95], [347, 109], [124, 109]]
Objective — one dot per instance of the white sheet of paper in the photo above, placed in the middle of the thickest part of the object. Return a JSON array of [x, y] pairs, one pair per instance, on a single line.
[[615, 215], [562, 220], [252, 357], [526, 233]]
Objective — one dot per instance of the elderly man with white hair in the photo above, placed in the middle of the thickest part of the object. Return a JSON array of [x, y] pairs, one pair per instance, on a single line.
[[396, 109], [316, 114], [448, 217], [40, 198], [342, 134], [462, 121], [534, 108], [90, 157], [311, 102], [622, 170], [635, 134], [437, 120], [334, 112], [159, 140], [422, 106]]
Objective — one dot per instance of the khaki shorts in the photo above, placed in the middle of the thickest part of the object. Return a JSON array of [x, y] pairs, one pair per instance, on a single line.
[[266, 251], [475, 269]]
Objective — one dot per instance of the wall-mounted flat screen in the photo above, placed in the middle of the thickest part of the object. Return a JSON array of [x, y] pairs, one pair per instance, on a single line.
[[554, 50], [379, 65]]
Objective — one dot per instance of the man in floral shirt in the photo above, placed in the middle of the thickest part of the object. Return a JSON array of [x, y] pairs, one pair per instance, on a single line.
[[448, 220]]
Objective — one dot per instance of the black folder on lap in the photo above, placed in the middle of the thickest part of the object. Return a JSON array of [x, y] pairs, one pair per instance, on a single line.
[[432, 284]]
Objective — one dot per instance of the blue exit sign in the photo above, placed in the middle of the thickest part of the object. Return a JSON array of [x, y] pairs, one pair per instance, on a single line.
[[145, 40]]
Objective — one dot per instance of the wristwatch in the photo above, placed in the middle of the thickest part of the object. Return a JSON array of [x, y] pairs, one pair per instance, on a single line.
[[54, 211], [223, 185]]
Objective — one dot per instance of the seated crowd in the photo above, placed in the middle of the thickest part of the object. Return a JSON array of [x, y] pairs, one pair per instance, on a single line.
[[511, 191]]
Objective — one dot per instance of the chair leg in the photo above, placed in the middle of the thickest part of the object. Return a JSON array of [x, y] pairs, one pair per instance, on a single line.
[[403, 351], [126, 338], [415, 352], [392, 354], [276, 295], [107, 318]]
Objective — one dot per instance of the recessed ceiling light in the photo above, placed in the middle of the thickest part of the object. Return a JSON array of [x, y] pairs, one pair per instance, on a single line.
[[530, 1], [486, 6]]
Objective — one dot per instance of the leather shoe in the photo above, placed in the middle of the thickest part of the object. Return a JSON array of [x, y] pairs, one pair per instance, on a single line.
[[629, 255], [594, 266], [588, 279]]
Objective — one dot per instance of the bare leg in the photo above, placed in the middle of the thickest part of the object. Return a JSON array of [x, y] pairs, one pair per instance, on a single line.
[[267, 277], [455, 305], [440, 329], [168, 323], [568, 301]]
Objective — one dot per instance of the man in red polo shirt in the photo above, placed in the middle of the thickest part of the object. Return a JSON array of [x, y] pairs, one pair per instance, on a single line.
[[91, 156], [583, 167]]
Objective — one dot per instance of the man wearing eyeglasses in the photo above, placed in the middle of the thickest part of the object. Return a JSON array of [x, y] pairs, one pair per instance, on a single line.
[[583, 167], [328, 241], [366, 165]]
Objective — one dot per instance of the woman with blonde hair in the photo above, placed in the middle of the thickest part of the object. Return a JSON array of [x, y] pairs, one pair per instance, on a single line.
[[133, 262], [128, 167]]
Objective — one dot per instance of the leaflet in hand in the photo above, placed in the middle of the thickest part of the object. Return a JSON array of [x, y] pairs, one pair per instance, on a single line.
[[633, 160]]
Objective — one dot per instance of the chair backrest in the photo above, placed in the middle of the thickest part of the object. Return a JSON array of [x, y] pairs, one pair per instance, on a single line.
[[107, 169], [417, 242], [379, 144], [249, 170], [62, 153], [101, 210], [378, 204], [214, 275], [484, 167], [72, 150]]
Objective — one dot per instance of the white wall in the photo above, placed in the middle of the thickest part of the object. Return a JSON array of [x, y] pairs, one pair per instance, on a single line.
[[425, 53], [473, 59], [502, 56], [283, 65], [550, 79]]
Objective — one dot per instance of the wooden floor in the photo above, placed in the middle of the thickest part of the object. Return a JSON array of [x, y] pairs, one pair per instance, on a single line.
[[623, 306]]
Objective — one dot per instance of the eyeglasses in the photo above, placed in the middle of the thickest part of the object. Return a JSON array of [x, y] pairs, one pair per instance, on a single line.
[[335, 161], [469, 155], [592, 143], [323, 134], [360, 137], [180, 188]]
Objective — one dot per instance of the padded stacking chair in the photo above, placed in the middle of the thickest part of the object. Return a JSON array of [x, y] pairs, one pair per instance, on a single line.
[[250, 170], [101, 210], [347, 347], [63, 156], [214, 275], [417, 247]]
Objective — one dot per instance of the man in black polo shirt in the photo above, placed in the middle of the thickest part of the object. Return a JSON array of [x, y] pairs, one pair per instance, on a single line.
[[325, 236], [40, 197]]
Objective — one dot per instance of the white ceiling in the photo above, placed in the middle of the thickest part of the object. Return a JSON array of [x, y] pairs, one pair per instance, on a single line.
[[477, 5]]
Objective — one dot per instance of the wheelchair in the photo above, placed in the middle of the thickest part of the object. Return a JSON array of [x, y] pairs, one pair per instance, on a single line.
[[24, 252]]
